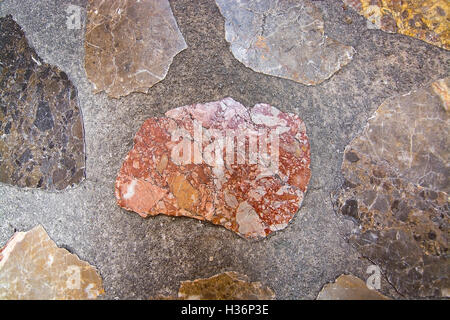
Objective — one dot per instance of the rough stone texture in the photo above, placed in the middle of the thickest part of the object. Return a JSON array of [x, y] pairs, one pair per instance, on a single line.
[[397, 189], [33, 267], [41, 131], [130, 44], [251, 199], [225, 286], [427, 20], [141, 258], [283, 38], [349, 287]]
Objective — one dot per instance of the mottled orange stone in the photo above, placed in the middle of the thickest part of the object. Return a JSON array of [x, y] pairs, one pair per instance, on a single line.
[[427, 20], [250, 199]]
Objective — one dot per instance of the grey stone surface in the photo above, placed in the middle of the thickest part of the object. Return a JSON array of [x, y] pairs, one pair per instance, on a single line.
[[283, 38], [140, 258]]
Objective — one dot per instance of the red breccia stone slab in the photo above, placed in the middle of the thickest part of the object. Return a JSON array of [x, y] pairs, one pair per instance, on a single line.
[[202, 161]]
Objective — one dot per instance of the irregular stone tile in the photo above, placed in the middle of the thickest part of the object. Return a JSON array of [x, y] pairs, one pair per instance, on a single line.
[[41, 129], [427, 20], [130, 44], [33, 267], [397, 189], [283, 38], [348, 287], [252, 193], [224, 286]]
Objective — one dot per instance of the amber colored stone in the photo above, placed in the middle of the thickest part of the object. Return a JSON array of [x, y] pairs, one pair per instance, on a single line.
[[427, 20], [225, 286], [283, 38], [130, 44], [250, 199], [397, 190], [32, 267], [348, 287], [41, 128]]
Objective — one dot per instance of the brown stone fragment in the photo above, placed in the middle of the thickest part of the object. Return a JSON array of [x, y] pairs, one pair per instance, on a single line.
[[130, 44], [41, 129], [397, 174], [348, 287], [225, 286], [251, 188], [32, 267]]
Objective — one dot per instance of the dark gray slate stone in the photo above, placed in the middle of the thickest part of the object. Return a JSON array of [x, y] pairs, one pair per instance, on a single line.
[[41, 130]]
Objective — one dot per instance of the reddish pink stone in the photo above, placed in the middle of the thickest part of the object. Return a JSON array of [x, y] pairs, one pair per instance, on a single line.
[[251, 199]]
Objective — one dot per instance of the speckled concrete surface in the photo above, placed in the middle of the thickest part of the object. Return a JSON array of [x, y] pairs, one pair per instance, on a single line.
[[140, 258]]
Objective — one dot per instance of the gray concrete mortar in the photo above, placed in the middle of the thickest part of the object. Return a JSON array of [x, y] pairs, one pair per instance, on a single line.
[[139, 258]]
